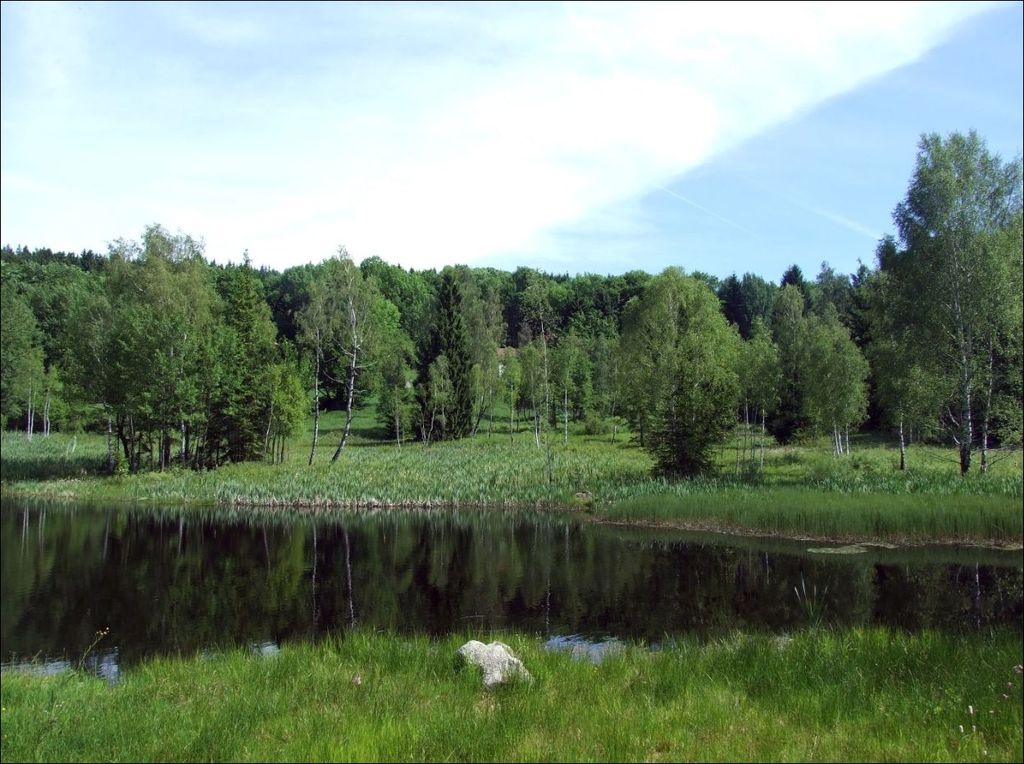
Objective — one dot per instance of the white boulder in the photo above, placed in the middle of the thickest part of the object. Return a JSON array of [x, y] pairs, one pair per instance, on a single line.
[[497, 662]]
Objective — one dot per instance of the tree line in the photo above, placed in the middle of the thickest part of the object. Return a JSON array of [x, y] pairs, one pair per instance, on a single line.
[[185, 362]]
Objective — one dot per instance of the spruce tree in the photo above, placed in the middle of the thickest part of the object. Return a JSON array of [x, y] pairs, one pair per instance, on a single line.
[[246, 394], [449, 338]]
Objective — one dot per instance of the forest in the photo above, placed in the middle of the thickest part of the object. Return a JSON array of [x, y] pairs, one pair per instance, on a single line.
[[183, 362]]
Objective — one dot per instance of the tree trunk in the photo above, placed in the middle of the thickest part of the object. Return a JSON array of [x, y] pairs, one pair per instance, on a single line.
[[316, 428], [985, 414], [536, 423], [266, 434], [966, 433], [847, 440], [547, 387], [110, 445], [747, 445], [124, 434], [30, 415], [479, 415], [316, 401], [903, 447], [965, 440], [740, 451], [348, 405], [46, 415], [764, 416]]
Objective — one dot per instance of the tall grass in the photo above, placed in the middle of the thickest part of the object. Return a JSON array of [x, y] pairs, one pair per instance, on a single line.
[[865, 694], [58, 456], [473, 471], [813, 511], [801, 488]]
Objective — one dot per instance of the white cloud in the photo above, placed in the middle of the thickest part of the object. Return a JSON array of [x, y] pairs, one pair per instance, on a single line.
[[456, 133]]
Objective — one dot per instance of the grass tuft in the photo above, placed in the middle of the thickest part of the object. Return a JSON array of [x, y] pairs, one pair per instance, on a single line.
[[863, 694]]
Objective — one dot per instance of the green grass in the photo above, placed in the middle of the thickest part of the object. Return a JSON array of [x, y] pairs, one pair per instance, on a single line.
[[833, 514], [370, 473], [802, 489], [865, 694], [57, 457]]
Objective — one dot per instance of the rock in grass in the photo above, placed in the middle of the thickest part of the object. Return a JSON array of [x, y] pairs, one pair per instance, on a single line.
[[496, 661]]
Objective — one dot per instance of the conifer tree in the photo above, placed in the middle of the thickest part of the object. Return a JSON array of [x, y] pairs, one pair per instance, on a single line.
[[449, 338]]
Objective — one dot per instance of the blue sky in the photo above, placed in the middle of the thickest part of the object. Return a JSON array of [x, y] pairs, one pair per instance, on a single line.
[[722, 137]]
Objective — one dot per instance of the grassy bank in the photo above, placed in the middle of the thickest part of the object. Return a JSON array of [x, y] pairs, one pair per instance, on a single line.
[[903, 518], [859, 695], [801, 490]]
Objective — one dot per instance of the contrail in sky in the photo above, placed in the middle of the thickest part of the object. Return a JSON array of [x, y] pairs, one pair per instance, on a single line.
[[706, 211]]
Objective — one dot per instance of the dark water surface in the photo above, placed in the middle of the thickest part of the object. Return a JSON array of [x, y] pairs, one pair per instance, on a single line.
[[181, 582]]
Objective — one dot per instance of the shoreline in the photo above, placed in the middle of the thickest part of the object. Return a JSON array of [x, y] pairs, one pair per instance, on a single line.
[[586, 512]]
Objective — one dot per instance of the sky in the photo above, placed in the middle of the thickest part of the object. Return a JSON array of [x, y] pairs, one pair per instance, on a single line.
[[569, 137]]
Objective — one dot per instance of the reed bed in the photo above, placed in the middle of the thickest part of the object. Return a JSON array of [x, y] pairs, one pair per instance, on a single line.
[[831, 514], [801, 489]]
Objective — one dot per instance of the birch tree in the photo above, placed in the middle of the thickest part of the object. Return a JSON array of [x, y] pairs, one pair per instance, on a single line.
[[760, 375], [350, 302], [835, 389], [955, 281], [21, 355]]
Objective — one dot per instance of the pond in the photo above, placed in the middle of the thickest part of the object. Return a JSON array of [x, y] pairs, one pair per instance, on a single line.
[[181, 582]]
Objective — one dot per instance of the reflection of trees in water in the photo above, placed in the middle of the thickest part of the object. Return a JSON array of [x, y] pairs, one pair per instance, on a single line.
[[185, 582]]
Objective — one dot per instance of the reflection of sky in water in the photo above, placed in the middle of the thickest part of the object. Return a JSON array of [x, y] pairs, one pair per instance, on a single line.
[[265, 649], [581, 647], [106, 666], [101, 663]]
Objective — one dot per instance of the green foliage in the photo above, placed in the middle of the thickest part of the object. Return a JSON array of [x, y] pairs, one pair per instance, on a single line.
[[836, 391], [956, 283], [21, 354], [391, 371], [759, 370], [789, 326], [801, 490], [243, 409], [411, 292], [684, 356], [346, 327], [450, 379], [571, 374], [289, 404], [746, 300], [180, 355]]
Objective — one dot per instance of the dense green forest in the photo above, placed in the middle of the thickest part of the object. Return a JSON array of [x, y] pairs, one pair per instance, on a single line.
[[185, 362]]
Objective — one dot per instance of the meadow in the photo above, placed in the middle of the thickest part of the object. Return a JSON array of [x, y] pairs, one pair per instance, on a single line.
[[801, 489], [859, 695]]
